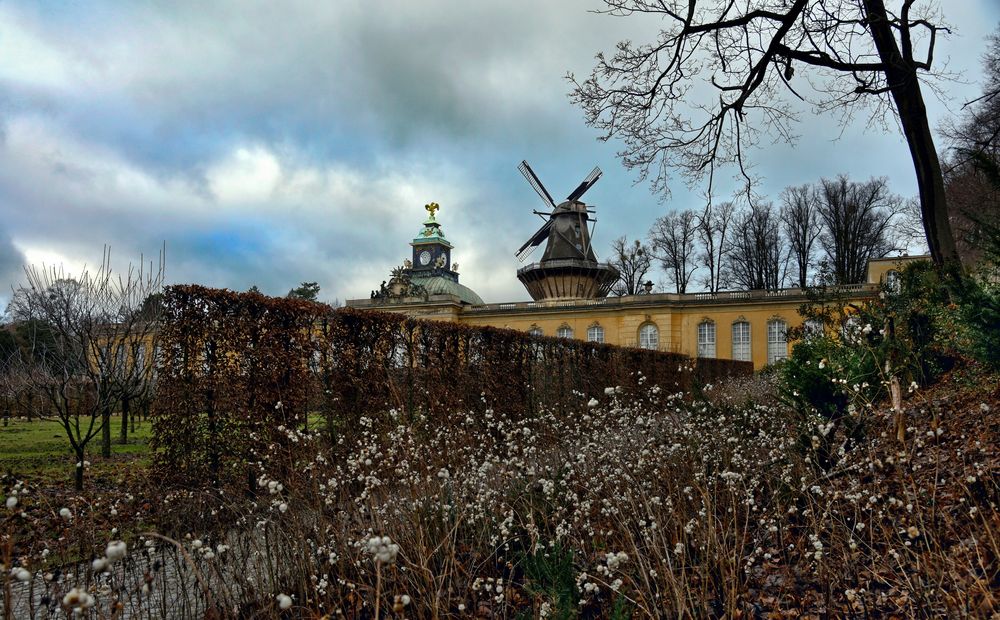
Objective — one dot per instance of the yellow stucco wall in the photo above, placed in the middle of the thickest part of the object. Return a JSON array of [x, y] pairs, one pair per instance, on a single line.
[[676, 317], [879, 267], [677, 324]]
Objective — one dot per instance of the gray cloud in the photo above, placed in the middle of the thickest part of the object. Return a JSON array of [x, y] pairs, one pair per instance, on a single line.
[[273, 143], [11, 267]]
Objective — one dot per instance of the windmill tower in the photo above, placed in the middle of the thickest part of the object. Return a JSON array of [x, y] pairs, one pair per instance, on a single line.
[[569, 268]]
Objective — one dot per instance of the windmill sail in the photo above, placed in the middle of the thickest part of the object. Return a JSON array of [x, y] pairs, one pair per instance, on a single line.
[[536, 239], [536, 184], [586, 184], [568, 268]]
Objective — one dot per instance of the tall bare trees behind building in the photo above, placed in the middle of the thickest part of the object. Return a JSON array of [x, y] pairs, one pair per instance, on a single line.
[[672, 238], [757, 256], [633, 261], [714, 224], [800, 221], [836, 225], [857, 222]]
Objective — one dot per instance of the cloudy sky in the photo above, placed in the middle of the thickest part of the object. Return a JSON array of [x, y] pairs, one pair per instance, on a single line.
[[269, 143]]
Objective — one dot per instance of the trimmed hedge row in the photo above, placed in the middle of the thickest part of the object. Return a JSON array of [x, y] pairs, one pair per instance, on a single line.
[[234, 368]]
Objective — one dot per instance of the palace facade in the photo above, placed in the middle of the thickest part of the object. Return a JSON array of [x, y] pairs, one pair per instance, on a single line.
[[570, 302]]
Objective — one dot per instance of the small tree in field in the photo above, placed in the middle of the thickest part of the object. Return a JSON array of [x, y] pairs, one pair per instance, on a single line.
[[83, 335]]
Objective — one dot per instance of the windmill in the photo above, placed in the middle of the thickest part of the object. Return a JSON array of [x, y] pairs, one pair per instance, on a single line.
[[566, 224], [569, 268]]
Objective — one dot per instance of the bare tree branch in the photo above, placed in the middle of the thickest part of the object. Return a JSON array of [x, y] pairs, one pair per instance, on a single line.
[[695, 98]]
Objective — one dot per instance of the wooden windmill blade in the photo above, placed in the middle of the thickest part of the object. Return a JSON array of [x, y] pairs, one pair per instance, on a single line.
[[536, 184], [536, 239], [587, 183]]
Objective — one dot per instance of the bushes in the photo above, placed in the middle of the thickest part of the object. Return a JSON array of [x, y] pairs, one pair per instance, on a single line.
[[236, 368], [909, 335]]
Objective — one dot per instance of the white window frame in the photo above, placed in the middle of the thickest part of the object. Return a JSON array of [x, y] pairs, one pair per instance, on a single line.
[[777, 340], [595, 333], [741, 341], [535, 331], [649, 336], [564, 331], [706, 339]]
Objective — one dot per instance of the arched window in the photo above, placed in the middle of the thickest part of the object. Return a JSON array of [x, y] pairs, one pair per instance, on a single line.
[[706, 339], [741, 341], [535, 330], [564, 331], [595, 333], [777, 340], [893, 281], [649, 336]]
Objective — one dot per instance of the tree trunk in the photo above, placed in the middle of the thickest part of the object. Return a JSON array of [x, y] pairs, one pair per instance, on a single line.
[[123, 437], [901, 75], [106, 431], [79, 469]]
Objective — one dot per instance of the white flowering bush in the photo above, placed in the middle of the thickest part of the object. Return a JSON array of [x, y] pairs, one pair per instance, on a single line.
[[649, 504]]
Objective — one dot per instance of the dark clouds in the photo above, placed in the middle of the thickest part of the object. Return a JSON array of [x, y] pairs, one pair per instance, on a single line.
[[269, 143], [11, 266]]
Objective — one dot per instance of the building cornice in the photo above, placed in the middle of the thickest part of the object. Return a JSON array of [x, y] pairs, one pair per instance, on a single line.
[[667, 301]]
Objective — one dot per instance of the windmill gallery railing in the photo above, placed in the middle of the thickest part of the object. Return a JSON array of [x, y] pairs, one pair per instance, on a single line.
[[237, 367]]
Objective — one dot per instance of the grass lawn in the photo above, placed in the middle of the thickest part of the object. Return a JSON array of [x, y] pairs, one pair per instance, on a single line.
[[40, 452]]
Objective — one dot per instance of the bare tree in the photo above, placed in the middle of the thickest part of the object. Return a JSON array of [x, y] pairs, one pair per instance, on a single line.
[[713, 235], [633, 261], [756, 258], [800, 219], [89, 325], [908, 229], [672, 239], [712, 81], [857, 221], [972, 162], [134, 378]]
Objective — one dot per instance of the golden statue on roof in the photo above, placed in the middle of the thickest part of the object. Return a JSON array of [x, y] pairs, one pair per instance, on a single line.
[[432, 208]]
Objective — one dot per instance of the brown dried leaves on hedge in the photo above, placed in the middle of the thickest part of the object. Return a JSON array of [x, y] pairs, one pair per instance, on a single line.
[[234, 367]]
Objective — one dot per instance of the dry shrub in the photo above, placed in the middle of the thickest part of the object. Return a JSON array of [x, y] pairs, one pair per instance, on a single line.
[[235, 366]]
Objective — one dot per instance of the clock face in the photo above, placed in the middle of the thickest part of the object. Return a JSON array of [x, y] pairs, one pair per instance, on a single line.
[[425, 257]]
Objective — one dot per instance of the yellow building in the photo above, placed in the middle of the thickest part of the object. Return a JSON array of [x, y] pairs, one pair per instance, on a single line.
[[742, 325]]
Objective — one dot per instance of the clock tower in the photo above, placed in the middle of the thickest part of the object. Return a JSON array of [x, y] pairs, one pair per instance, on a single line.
[[431, 250]]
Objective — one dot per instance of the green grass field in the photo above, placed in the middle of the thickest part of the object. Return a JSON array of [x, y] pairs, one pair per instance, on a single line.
[[39, 450]]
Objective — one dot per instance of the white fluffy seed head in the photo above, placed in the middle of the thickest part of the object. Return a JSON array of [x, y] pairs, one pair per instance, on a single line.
[[117, 549]]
